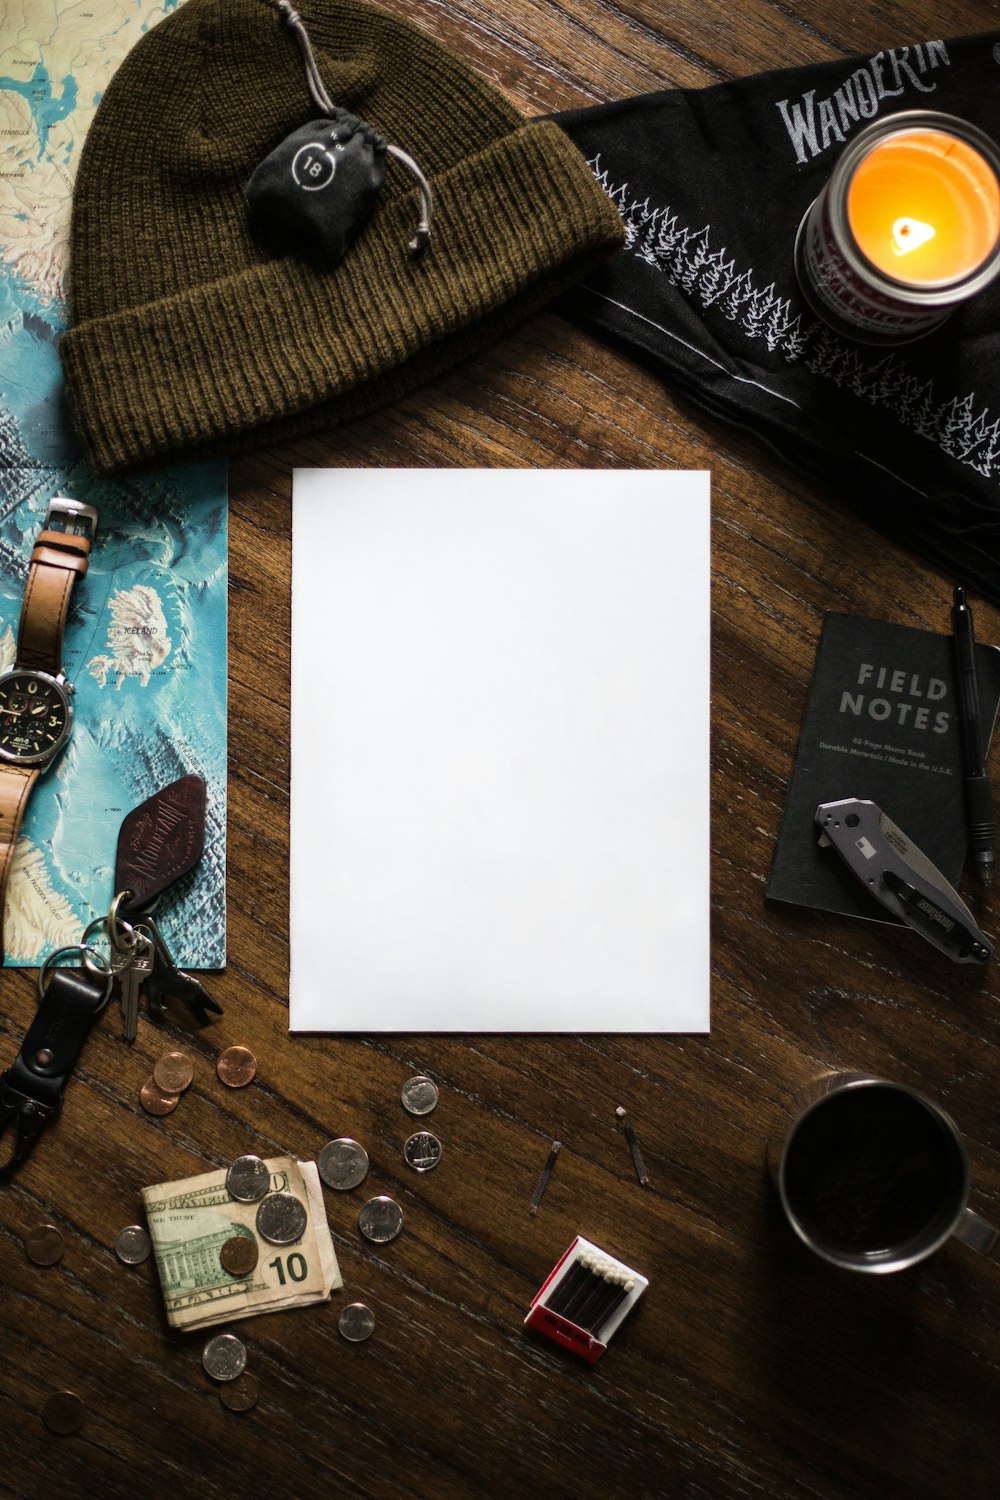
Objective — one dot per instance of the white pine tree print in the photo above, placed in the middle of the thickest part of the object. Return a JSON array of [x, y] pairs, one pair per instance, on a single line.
[[718, 277], [687, 260]]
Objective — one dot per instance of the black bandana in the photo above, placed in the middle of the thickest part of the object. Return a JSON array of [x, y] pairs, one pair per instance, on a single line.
[[712, 185]]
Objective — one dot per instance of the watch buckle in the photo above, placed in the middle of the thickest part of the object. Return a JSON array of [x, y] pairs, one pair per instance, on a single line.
[[77, 518]]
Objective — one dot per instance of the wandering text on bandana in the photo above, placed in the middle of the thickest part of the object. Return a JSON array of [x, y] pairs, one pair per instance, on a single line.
[[815, 124]]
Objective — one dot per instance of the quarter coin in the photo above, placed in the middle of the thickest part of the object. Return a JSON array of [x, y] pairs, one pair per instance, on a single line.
[[157, 1101], [281, 1219], [248, 1179], [343, 1164], [240, 1394], [63, 1412], [419, 1095], [132, 1244], [422, 1151], [44, 1245], [224, 1357], [239, 1255], [236, 1067], [380, 1220], [356, 1322], [173, 1072]]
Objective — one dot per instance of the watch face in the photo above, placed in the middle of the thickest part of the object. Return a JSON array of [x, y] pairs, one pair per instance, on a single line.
[[34, 717]]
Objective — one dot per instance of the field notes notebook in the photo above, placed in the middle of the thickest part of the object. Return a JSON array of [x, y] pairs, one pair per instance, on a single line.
[[500, 751]]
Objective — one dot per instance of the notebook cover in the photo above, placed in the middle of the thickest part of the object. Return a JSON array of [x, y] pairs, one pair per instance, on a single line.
[[880, 723]]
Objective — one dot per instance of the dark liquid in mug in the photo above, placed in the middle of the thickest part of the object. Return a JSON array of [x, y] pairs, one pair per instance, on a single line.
[[871, 1169]]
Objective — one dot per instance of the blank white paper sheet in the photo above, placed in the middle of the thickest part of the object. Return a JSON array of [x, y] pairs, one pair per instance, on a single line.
[[500, 751]]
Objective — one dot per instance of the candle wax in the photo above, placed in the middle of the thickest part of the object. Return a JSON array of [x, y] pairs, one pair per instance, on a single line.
[[924, 207]]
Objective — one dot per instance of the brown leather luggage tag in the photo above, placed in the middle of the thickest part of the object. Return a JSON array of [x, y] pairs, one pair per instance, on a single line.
[[161, 840]]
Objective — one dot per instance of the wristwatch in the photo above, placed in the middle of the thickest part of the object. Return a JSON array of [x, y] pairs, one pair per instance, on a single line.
[[36, 712]]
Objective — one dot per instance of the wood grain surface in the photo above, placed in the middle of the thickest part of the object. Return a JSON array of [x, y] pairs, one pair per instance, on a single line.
[[749, 1371]]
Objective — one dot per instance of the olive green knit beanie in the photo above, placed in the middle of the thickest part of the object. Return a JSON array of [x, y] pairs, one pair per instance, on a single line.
[[190, 338]]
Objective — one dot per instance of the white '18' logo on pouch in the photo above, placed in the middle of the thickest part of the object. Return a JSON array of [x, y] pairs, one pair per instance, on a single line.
[[313, 167]]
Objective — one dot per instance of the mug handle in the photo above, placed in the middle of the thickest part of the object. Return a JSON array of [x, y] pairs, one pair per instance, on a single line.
[[975, 1232]]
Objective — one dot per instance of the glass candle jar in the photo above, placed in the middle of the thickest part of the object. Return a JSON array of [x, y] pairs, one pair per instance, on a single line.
[[907, 227]]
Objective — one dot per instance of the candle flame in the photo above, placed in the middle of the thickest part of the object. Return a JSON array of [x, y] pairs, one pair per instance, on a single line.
[[908, 234]]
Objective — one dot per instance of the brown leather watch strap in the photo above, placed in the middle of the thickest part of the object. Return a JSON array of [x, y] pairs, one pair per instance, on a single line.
[[16, 783], [57, 560]]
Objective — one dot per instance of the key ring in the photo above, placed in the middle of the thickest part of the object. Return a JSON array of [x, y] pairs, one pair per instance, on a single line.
[[128, 948], [117, 925], [102, 968]]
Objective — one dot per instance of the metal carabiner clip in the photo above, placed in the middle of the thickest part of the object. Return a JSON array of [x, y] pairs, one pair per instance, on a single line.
[[31, 1116]]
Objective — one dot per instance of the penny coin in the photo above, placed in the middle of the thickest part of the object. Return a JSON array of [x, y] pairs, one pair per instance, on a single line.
[[44, 1245], [63, 1412], [132, 1244], [248, 1179], [236, 1067], [224, 1357], [380, 1220], [240, 1394], [157, 1101], [422, 1151], [419, 1095], [239, 1255], [356, 1322], [173, 1072], [281, 1219], [343, 1164]]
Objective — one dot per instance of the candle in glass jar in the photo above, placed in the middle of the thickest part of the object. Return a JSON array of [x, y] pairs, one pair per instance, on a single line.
[[906, 228], [924, 207]]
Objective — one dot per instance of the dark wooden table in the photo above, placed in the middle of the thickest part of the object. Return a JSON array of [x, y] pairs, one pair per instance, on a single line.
[[750, 1371]]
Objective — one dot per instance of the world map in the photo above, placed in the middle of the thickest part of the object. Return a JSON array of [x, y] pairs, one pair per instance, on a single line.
[[145, 644]]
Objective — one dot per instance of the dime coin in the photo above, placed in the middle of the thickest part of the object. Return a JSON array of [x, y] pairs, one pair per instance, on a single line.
[[343, 1164], [157, 1101], [380, 1220], [239, 1255], [173, 1072], [281, 1219], [248, 1179], [63, 1412], [419, 1095], [224, 1357], [236, 1067], [132, 1244], [356, 1322], [422, 1151], [240, 1394], [44, 1245]]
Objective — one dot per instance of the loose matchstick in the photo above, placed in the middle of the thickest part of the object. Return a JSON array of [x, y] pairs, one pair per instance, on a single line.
[[543, 1181], [633, 1145]]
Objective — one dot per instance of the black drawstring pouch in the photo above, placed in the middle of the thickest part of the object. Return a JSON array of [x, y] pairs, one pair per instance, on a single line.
[[311, 195], [315, 190], [712, 185]]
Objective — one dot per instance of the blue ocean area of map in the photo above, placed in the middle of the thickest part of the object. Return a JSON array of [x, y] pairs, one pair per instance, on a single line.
[[32, 391], [46, 108]]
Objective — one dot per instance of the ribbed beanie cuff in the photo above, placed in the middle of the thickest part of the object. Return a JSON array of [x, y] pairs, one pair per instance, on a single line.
[[281, 347]]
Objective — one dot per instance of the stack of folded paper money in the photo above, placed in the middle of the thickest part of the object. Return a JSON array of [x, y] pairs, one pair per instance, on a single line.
[[192, 1221]]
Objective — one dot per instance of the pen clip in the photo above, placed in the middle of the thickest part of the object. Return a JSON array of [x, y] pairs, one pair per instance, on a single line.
[[973, 740]]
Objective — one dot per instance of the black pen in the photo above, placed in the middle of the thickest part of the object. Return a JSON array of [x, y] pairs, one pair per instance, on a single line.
[[978, 801]]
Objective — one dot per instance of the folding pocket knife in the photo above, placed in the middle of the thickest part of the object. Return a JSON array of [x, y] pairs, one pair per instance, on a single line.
[[898, 874]]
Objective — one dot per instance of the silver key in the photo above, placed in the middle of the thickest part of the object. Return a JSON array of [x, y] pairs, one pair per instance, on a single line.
[[132, 966]]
